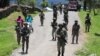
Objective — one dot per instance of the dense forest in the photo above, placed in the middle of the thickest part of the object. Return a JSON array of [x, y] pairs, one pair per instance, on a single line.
[[4, 3]]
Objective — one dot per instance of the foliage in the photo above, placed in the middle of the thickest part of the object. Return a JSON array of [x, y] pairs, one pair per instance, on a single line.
[[26, 2], [92, 5], [7, 34], [44, 4], [93, 44]]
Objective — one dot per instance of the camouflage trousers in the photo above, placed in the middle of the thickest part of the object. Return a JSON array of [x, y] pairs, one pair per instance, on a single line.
[[18, 38], [53, 34], [61, 48], [25, 40]]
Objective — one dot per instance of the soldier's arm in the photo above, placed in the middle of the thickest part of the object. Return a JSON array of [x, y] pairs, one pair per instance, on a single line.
[[57, 35]]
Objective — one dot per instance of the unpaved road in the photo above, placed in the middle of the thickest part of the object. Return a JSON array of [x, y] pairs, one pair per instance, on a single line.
[[40, 41]]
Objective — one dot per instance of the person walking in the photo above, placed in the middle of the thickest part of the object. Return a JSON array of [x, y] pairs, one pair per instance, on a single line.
[[60, 8], [42, 17], [55, 13], [75, 32], [20, 20], [25, 37], [54, 28], [87, 23], [18, 32], [61, 40], [29, 21], [66, 18]]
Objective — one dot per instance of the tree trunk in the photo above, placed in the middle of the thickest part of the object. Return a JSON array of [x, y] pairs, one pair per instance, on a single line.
[[94, 6]]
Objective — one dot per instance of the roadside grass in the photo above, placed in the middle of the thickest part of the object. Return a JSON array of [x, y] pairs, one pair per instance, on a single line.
[[92, 45], [7, 34]]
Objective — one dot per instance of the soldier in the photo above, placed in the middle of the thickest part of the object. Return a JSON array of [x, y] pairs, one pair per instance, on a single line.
[[66, 18], [75, 32], [60, 8], [54, 27], [65, 30], [25, 37], [55, 13], [18, 32], [54, 8], [42, 17], [87, 23], [61, 40], [65, 10]]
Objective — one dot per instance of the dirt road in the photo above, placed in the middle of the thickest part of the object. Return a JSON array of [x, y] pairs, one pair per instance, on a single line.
[[40, 41]]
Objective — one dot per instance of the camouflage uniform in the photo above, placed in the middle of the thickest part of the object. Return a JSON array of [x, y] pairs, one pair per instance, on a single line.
[[66, 19], [42, 18], [75, 32], [87, 23], [55, 13], [18, 32], [61, 35], [54, 27], [25, 38]]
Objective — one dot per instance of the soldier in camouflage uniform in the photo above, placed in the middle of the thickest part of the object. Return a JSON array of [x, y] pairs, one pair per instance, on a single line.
[[61, 36], [87, 23], [18, 32], [75, 32], [25, 37], [54, 27], [42, 17]]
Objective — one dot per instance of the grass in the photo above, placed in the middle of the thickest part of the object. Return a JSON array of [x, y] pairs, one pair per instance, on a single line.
[[7, 34], [93, 37]]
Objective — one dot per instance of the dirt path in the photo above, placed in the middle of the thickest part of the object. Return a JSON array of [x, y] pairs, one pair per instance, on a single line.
[[40, 41]]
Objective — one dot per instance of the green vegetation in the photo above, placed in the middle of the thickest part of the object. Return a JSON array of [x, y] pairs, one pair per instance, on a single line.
[[7, 34], [92, 45], [26, 2], [44, 4]]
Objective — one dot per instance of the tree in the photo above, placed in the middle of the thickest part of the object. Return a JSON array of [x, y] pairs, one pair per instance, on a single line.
[[26, 2], [85, 5], [4, 3], [91, 4], [44, 3]]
